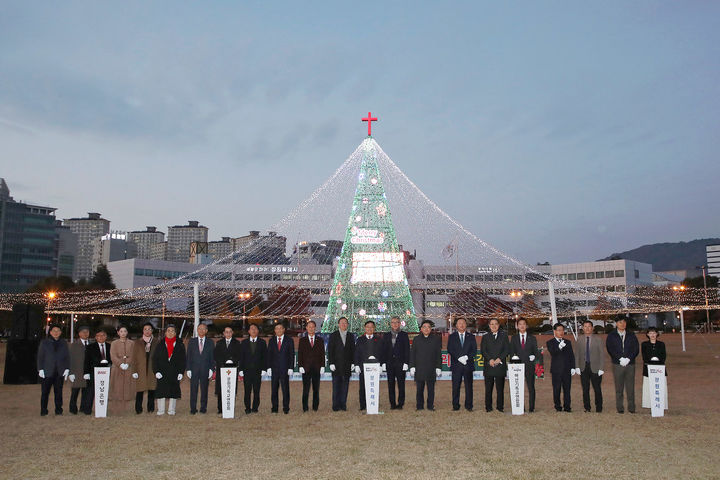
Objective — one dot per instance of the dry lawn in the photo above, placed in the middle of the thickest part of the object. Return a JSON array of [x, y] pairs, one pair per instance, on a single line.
[[398, 444]]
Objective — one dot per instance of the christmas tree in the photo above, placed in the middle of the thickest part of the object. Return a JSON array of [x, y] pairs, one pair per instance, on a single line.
[[370, 282]]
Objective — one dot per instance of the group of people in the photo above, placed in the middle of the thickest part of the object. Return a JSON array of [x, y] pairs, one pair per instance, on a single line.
[[156, 366]]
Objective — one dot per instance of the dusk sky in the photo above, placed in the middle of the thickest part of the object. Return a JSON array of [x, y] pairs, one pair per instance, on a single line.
[[559, 131]]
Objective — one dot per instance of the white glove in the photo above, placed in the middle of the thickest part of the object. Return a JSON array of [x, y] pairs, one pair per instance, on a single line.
[[301, 370], [86, 376], [412, 371], [600, 373], [65, 373], [561, 345], [269, 371], [242, 374], [180, 376], [322, 370], [41, 373], [124, 366], [515, 357], [289, 372], [189, 374], [438, 372], [624, 361], [405, 367], [572, 372], [262, 373], [383, 367], [371, 357], [332, 367], [357, 370], [72, 378], [463, 359], [352, 366], [654, 359], [135, 376], [531, 358], [103, 361], [158, 375], [228, 362], [210, 374]]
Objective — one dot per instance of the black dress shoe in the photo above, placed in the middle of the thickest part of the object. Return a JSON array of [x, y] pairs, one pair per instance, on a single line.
[[432, 409], [419, 408], [393, 407], [248, 411], [219, 412], [305, 409], [557, 409], [501, 410], [568, 410], [344, 409], [286, 411], [598, 410], [587, 410], [335, 409], [456, 408], [74, 412], [621, 411], [469, 409], [203, 411], [193, 412], [255, 410], [274, 410], [488, 410], [315, 409], [43, 414], [58, 412], [399, 407]]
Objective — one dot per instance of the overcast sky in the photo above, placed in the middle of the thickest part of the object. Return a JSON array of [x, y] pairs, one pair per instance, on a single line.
[[560, 131]]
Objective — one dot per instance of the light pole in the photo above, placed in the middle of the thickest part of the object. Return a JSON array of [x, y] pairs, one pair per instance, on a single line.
[[244, 297], [707, 309], [679, 289], [515, 295], [50, 296]]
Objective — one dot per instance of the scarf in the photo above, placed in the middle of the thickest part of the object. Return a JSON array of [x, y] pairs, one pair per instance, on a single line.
[[170, 344]]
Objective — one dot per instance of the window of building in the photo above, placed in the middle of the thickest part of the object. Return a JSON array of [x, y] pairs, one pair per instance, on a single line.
[[581, 276], [619, 273], [599, 274], [449, 278], [439, 278], [590, 275], [610, 274], [571, 276], [430, 278], [637, 273]]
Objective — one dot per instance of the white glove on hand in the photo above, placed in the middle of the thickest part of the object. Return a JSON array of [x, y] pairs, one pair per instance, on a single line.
[[72, 378], [228, 362], [41, 373], [600, 373], [572, 372], [654, 359], [263, 373], [405, 367], [180, 376], [561, 345], [624, 361], [66, 373], [289, 372], [383, 367], [269, 371], [412, 371], [438, 372], [158, 375], [531, 358], [371, 357], [86, 376], [352, 366], [301, 370], [103, 362], [242, 374], [210, 374], [124, 366], [135, 376], [189, 374], [463, 359], [322, 370], [332, 367], [357, 370]]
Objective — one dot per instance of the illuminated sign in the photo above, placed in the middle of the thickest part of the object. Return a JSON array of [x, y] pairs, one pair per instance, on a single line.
[[366, 236], [377, 267]]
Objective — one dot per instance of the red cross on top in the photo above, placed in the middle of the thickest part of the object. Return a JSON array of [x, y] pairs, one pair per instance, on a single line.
[[369, 119]]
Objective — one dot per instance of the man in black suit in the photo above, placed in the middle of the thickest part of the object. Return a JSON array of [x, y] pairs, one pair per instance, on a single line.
[[227, 354], [562, 367], [253, 351], [200, 366], [367, 350], [311, 363], [462, 348], [53, 364], [495, 348], [396, 357], [341, 353], [524, 346], [96, 355], [280, 363]]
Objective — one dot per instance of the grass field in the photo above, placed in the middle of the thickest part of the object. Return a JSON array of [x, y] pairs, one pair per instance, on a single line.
[[398, 444]]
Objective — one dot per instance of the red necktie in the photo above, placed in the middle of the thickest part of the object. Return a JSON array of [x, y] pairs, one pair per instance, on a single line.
[[279, 344], [522, 342], [312, 342]]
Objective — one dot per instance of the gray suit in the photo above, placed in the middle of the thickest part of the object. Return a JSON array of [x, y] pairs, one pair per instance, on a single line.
[[77, 368], [589, 369], [200, 364]]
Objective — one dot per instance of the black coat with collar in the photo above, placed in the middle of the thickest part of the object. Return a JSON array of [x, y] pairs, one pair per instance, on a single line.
[[492, 348], [563, 360], [253, 362], [94, 359], [223, 353], [342, 356], [366, 348], [531, 348]]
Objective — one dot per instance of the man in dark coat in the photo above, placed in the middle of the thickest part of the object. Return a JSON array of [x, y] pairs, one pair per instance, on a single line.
[[200, 366], [562, 367], [253, 351], [53, 364], [623, 347], [368, 349], [462, 348], [426, 364], [311, 363], [495, 348], [341, 354], [524, 346], [168, 364], [396, 359], [280, 364], [77, 373], [96, 355]]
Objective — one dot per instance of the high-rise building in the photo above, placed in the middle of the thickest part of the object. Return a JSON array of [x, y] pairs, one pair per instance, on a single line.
[[110, 248], [66, 250], [220, 248], [158, 251], [713, 259], [87, 230], [144, 239], [180, 237], [27, 243]]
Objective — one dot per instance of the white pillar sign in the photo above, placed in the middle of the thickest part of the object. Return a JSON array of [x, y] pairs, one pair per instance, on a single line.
[[102, 390], [658, 385], [228, 384], [372, 387], [516, 378]]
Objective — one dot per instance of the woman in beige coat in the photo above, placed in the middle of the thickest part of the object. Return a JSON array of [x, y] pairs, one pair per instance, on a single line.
[[122, 378], [142, 365]]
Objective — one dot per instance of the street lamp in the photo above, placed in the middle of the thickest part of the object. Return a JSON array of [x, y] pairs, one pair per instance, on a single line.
[[707, 309], [679, 289], [244, 297], [50, 296]]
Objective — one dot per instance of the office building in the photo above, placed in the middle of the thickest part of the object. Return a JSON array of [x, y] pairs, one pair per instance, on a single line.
[[180, 237], [87, 230]]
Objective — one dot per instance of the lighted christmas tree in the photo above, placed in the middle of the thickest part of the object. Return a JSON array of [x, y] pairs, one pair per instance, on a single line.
[[370, 282]]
